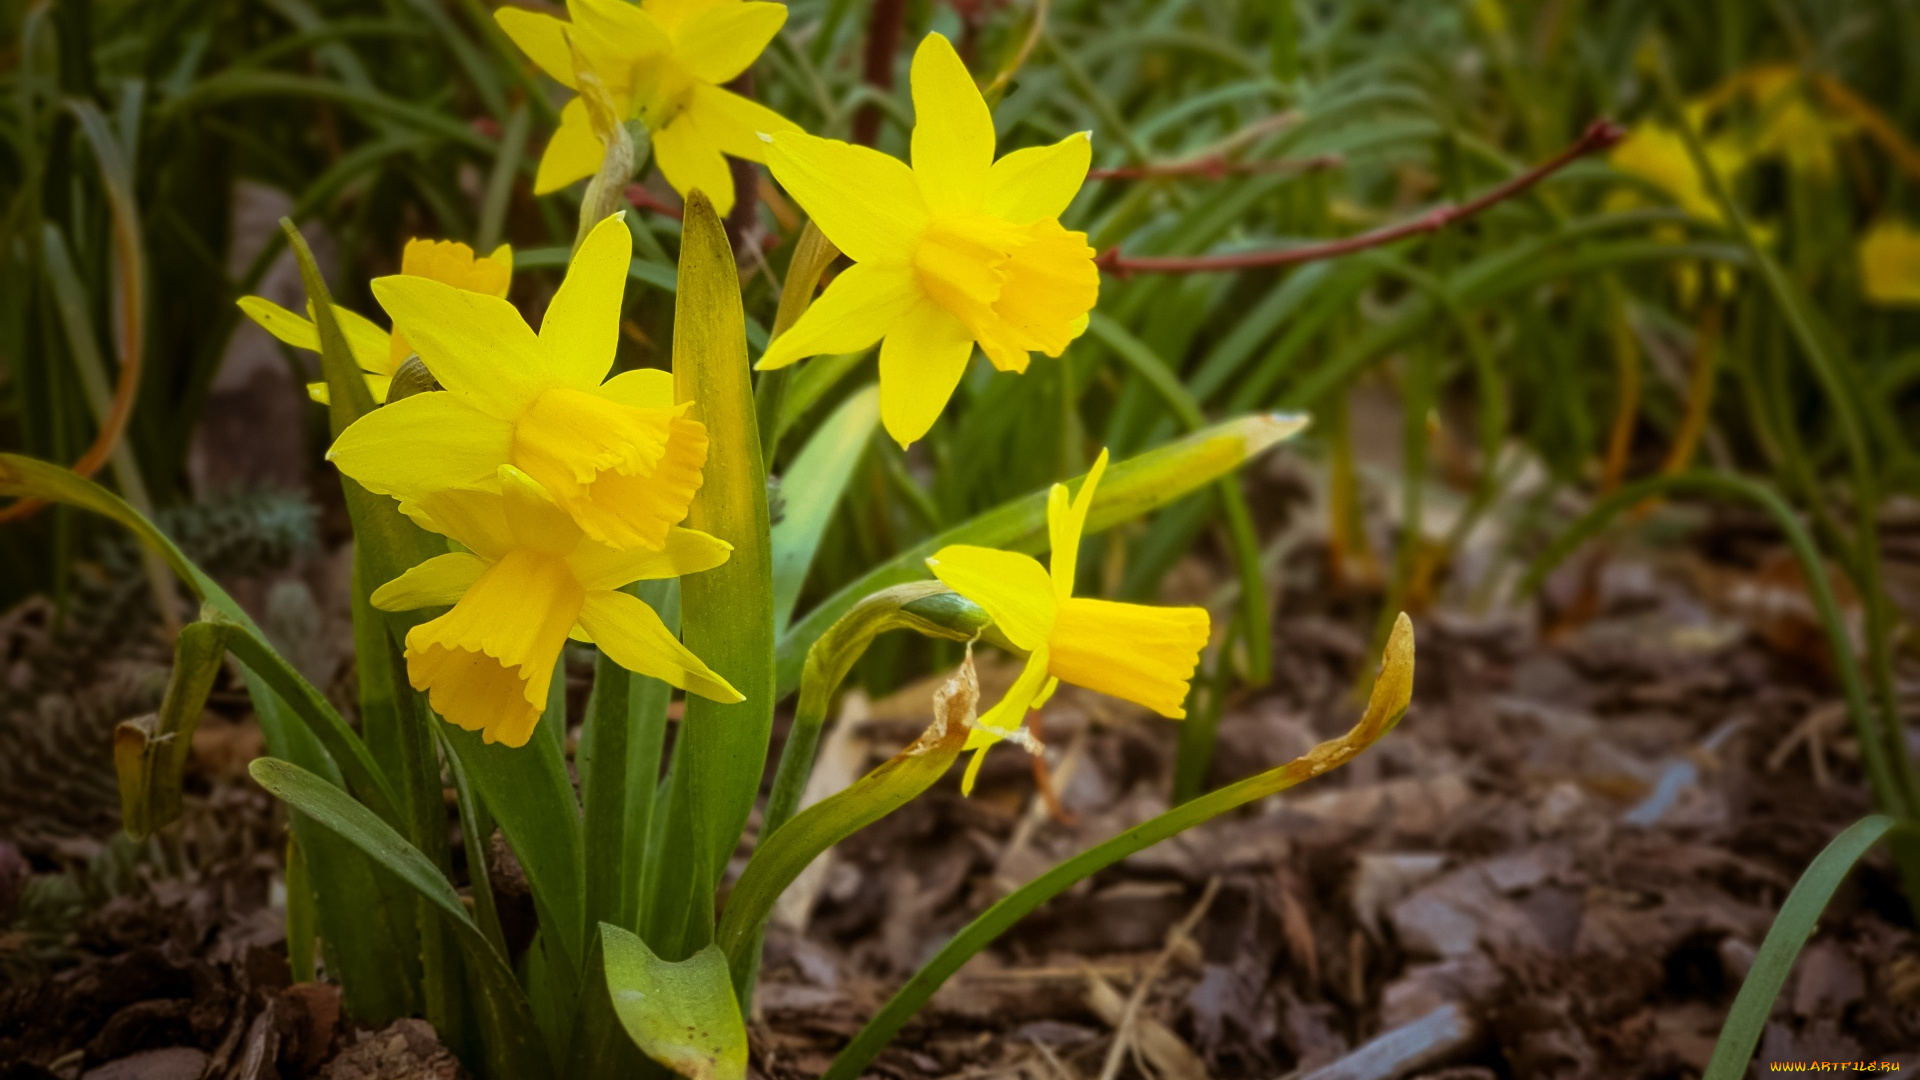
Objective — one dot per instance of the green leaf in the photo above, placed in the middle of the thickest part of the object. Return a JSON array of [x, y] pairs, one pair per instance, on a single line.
[[727, 612], [811, 489], [149, 753], [1796, 922], [682, 1015], [1392, 692], [513, 1043], [1130, 488]]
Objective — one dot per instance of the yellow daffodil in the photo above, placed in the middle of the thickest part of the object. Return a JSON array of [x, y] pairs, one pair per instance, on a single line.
[[955, 250], [1136, 652], [1890, 263], [620, 457], [661, 62], [378, 352], [528, 579], [1657, 153]]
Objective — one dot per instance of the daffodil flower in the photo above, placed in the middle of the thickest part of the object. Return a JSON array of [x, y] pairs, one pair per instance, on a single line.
[[378, 352], [661, 62], [620, 457], [1136, 652], [528, 580], [955, 250], [1890, 263]]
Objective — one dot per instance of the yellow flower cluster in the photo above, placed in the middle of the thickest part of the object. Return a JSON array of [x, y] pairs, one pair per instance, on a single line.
[[557, 486]]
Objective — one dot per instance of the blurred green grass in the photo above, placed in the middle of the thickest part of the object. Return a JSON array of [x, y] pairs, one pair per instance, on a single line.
[[1560, 333]]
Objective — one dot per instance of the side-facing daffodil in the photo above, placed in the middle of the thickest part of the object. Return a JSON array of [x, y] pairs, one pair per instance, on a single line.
[[1136, 652], [620, 457], [378, 352], [661, 62], [955, 250], [528, 579], [1890, 263]]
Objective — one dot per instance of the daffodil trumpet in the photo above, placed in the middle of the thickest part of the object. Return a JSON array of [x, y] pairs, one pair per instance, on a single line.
[[379, 353], [1136, 652], [620, 457], [661, 62], [955, 251], [528, 579]]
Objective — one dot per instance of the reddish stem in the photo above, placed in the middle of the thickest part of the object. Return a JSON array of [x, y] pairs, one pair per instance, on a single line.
[[1217, 167], [883, 40], [643, 199], [1599, 135]]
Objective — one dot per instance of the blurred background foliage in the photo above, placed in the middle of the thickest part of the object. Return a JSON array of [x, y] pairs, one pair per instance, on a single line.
[[1606, 326]]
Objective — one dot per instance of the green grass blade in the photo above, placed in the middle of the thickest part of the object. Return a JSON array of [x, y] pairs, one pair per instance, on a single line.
[[811, 489], [1796, 922], [1392, 692], [513, 1043]]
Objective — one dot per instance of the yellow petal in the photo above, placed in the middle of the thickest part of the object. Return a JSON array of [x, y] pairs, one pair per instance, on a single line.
[[422, 443], [377, 385], [952, 130], [477, 346], [1138, 653], [581, 328], [474, 516], [624, 474], [281, 323], [609, 29], [533, 519], [443, 579], [1011, 587], [543, 38], [486, 664], [690, 160], [921, 362], [632, 635], [573, 153], [1038, 182], [453, 263], [674, 14], [368, 344], [867, 203], [1890, 263], [1005, 716], [645, 388], [736, 123], [1066, 521], [687, 551], [858, 307], [720, 42], [504, 256]]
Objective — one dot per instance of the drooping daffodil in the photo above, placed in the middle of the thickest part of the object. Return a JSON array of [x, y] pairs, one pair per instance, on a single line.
[[1137, 652], [959, 249], [1890, 263], [528, 579], [379, 352], [620, 457], [661, 62]]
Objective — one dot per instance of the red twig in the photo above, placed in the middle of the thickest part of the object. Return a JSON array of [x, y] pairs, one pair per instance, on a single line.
[[643, 199], [1599, 135], [1217, 167]]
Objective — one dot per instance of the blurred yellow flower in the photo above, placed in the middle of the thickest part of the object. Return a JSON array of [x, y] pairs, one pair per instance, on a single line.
[[620, 457], [1657, 154], [661, 62], [1890, 263], [379, 353], [1140, 653], [957, 249], [528, 579]]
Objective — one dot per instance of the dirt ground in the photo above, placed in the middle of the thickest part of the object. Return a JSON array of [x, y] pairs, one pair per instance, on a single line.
[[1559, 865]]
